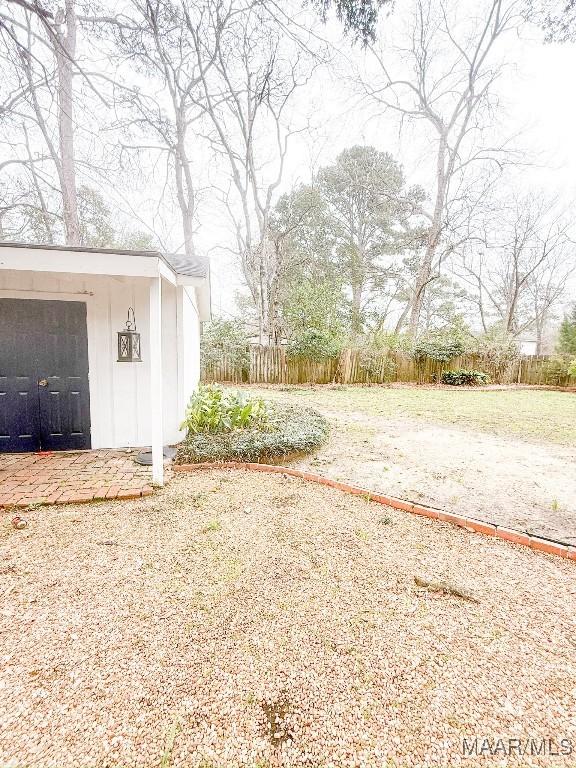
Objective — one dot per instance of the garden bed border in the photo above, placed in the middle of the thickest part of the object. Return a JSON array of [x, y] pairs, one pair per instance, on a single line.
[[537, 543]]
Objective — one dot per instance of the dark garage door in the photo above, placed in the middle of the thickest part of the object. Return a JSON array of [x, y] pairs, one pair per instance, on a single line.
[[44, 396]]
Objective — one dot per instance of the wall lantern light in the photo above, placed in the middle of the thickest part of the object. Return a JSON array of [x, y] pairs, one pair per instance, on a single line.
[[129, 341]]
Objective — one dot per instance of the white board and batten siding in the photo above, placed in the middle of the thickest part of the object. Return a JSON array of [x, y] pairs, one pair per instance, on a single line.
[[120, 392], [528, 347]]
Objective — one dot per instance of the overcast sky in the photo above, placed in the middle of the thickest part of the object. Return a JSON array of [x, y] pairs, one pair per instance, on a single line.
[[538, 107]]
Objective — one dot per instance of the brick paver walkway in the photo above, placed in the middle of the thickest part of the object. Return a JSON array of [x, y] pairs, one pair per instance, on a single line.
[[68, 478]]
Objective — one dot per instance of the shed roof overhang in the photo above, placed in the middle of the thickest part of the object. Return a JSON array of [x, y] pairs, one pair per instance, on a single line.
[[105, 262]]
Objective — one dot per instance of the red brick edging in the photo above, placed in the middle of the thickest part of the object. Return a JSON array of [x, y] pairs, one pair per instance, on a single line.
[[471, 524], [80, 497]]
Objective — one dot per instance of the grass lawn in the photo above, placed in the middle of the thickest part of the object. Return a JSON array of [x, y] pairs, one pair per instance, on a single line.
[[529, 414], [236, 620]]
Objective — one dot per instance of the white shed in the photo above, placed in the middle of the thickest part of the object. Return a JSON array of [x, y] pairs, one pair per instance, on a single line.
[[528, 347], [68, 378]]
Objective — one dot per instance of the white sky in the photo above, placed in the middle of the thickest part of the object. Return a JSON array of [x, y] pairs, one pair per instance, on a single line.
[[538, 107]]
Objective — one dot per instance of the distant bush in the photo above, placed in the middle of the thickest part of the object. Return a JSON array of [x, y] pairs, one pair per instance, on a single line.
[[288, 430], [388, 341], [557, 370], [439, 346], [215, 410], [463, 377], [315, 344], [224, 339], [376, 365], [567, 334], [572, 368], [498, 347]]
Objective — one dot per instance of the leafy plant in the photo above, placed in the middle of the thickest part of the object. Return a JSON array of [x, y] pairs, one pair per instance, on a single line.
[[312, 303], [498, 347], [389, 341], [224, 339], [556, 371], [441, 347], [315, 344], [376, 365], [572, 367], [214, 409], [567, 334], [463, 377], [288, 430]]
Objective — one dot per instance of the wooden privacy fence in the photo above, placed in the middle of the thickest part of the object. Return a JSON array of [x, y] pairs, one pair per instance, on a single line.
[[271, 365]]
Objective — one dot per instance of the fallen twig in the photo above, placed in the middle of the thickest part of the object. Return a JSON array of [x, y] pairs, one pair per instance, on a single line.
[[445, 587]]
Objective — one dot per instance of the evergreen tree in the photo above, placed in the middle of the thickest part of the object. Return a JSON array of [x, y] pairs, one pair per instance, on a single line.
[[567, 335]]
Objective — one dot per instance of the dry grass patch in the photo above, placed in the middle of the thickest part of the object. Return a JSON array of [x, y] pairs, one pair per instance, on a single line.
[[239, 619], [434, 446], [529, 414]]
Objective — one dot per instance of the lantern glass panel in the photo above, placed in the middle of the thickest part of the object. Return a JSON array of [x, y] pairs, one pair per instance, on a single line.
[[124, 346], [129, 347], [136, 346]]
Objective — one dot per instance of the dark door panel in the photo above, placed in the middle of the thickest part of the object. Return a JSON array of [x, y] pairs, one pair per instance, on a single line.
[[44, 391], [4, 410], [19, 414], [64, 414]]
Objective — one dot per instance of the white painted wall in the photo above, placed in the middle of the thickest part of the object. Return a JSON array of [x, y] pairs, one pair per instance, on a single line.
[[172, 417], [527, 347], [120, 392], [190, 354]]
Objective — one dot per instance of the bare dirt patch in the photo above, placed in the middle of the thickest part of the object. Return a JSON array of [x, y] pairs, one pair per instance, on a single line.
[[250, 620], [502, 478]]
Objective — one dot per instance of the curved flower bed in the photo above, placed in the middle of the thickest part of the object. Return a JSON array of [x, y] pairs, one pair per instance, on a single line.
[[290, 430]]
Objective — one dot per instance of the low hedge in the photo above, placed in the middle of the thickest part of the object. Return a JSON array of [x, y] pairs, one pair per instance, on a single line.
[[462, 377], [290, 429]]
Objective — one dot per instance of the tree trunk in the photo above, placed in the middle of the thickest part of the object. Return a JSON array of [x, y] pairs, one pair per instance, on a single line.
[[540, 325], [357, 325], [65, 52], [184, 180], [510, 316], [434, 233], [538, 339], [41, 200], [185, 200], [419, 288], [402, 319], [262, 322]]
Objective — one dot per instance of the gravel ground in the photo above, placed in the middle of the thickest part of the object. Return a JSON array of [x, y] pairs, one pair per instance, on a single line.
[[238, 619]]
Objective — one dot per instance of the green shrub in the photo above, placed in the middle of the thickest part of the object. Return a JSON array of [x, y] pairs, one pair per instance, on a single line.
[[289, 429], [439, 346], [556, 371], [213, 409], [498, 348], [567, 334], [376, 365], [462, 377], [315, 344], [572, 368], [224, 339], [389, 341]]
